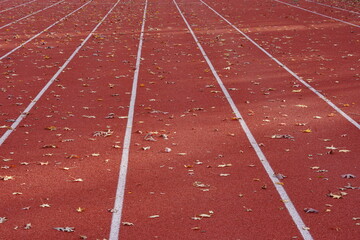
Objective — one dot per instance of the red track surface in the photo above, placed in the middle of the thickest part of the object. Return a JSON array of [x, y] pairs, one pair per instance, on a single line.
[[55, 172]]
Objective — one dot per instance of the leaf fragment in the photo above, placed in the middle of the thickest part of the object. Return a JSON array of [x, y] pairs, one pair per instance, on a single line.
[[3, 219], [154, 216]]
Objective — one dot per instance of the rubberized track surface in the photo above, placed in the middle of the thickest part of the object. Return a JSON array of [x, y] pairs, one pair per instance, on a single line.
[[181, 119]]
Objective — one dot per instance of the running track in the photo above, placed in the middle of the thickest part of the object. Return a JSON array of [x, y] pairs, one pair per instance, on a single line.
[[179, 119]]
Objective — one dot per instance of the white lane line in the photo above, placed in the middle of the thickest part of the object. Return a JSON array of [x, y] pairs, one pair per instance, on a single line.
[[326, 5], [8, 9], [46, 29], [120, 191], [280, 189], [323, 15], [39, 95], [347, 117], [6, 25]]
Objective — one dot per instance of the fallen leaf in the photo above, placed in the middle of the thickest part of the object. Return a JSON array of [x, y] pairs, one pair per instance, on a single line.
[[344, 151], [49, 146], [200, 185], [154, 216], [224, 174], [278, 136], [78, 180], [27, 226], [307, 131], [348, 175], [224, 165], [51, 128], [311, 210], [6, 178], [80, 209], [65, 229], [127, 224], [3, 219], [280, 176], [44, 205], [107, 133]]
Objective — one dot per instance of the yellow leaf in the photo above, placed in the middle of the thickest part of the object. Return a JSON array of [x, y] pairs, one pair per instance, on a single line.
[[307, 131]]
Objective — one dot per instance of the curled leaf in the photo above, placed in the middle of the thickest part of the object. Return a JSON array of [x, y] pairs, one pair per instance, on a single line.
[[348, 175], [127, 224], [310, 210]]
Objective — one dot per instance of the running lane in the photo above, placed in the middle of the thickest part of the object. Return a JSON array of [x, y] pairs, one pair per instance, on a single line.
[[349, 18], [348, 5], [14, 15], [302, 137], [64, 157], [306, 44], [15, 6], [27, 70], [18, 33], [192, 173]]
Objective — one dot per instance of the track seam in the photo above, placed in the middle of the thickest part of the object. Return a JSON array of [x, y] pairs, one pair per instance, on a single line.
[[280, 189], [323, 15], [43, 90], [326, 5], [120, 190], [8, 9], [46, 29], [6, 25], [347, 117]]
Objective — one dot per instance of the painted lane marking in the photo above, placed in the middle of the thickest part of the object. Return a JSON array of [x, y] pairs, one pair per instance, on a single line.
[[347, 117], [120, 190], [326, 5], [46, 29], [280, 189], [8, 9], [50, 82], [6, 25], [323, 15]]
